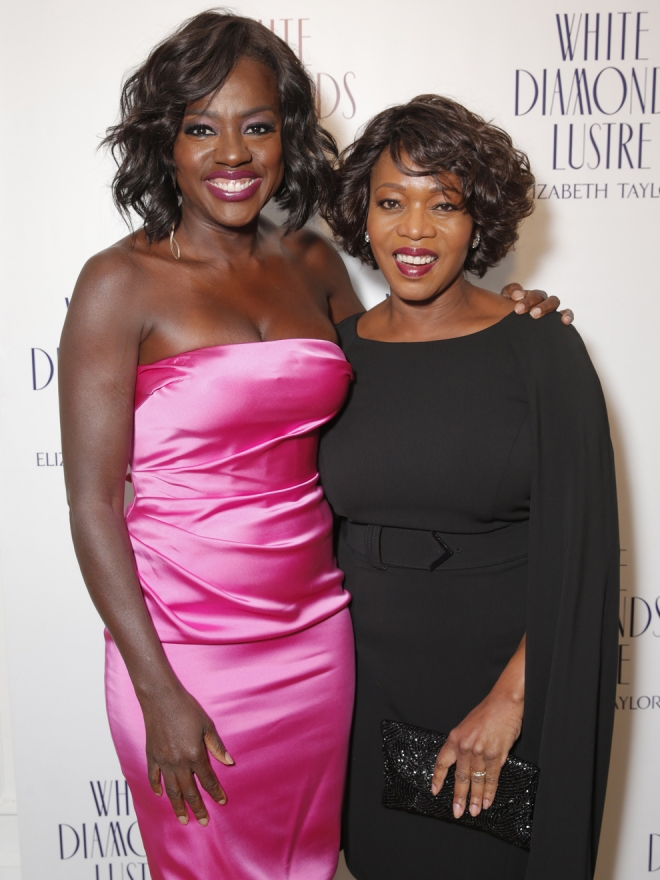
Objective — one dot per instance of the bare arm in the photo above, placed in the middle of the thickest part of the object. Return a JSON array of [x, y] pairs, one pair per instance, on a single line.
[[482, 741], [97, 368]]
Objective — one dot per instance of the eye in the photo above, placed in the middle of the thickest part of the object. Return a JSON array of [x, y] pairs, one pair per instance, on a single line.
[[198, 129], [444, 207], [389, 204], [259, 128]]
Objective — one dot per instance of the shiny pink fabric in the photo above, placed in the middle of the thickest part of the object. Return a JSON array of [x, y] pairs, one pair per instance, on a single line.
[[233, 546]]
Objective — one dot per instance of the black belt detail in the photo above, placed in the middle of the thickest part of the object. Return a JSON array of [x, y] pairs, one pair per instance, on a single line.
[[385, 546]]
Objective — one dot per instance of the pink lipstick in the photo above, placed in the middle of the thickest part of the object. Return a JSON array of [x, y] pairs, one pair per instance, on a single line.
[[232, 186], [414, 262]]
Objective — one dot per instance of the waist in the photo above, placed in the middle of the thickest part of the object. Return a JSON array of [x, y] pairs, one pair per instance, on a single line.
[[387, 546]]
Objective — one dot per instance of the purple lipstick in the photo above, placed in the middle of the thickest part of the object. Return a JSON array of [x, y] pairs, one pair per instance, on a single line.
[[232, 186], [414, 262]]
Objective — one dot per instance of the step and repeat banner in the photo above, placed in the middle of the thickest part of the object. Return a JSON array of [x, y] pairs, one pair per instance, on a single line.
[[578, 87]]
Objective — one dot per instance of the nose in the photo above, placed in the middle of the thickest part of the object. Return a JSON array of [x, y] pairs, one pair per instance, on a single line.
[[231, 149], [416, 224]]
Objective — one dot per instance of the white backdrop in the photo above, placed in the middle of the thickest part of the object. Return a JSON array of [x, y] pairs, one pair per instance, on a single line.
[[591, 126]]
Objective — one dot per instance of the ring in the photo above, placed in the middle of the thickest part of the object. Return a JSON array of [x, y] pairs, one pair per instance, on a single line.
[[478, 774]]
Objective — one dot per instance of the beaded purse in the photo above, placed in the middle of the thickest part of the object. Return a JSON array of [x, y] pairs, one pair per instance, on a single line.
[[410, 754]]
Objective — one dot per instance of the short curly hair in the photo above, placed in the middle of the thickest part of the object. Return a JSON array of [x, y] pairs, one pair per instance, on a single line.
[[438, 135], [190, 64]]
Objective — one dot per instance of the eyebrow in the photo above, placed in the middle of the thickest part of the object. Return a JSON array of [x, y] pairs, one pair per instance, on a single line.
[[401, 188], [204, 112]]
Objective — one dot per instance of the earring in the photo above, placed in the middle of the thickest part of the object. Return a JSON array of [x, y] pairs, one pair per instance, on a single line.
[[366, 237], [179, 199], [477, 240], [174, 245]]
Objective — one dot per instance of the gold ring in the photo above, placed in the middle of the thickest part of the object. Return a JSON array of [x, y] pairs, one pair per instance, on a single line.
[[478, 774]]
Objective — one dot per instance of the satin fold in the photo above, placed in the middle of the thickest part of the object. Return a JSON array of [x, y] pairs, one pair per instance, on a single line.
[[231, 534]]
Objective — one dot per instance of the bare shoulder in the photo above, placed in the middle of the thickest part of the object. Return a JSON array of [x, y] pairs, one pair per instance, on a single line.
[[315, 251], [113, 286], [112, 271], [109, 295]]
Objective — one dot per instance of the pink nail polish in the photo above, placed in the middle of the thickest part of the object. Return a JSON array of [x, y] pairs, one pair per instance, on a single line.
[[457, 811]]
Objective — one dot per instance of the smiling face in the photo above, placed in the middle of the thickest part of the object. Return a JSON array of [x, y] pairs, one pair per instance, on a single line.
[[228, 152], [420, 235]]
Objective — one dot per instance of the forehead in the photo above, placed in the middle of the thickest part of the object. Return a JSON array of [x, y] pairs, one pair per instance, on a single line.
[[386, 171], [250, 84]]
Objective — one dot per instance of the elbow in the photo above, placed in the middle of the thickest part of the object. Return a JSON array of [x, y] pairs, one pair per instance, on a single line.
[[88, 513]]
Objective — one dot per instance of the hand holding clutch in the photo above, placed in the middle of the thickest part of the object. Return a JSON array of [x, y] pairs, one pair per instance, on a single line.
[[479, 746], [410, 753]]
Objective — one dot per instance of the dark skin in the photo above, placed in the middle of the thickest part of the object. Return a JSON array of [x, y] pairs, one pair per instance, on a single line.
[[237, 280], [419, 213]]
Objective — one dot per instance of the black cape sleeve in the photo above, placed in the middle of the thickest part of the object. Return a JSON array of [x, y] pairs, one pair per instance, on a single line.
[[572, 611]]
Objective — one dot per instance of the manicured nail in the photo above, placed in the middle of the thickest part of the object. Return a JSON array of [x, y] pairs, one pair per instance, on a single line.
[[536, 312], [474, 809], [486, 804], [183, 820], [229, 758], [520, 307], [204, 822], [434, 789], [458, 812]]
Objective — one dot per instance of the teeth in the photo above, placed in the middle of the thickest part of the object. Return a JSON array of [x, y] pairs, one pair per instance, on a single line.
[[231, 185], [414, 261]]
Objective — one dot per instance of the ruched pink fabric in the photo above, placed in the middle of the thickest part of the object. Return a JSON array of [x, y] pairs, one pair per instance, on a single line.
[[233, 547]]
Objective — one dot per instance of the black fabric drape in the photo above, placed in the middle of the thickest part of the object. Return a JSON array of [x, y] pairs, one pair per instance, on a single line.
[[572, 612]]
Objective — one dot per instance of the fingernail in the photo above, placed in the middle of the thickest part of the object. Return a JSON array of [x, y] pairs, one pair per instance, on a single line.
[[204, 822], [458, 812], [229, 758], [486, 804], [536, 312], [434, 788], [474, 809], [520, 307], [183, 820]]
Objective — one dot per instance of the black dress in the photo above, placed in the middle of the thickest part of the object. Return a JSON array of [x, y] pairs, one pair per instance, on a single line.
[[469, 436]]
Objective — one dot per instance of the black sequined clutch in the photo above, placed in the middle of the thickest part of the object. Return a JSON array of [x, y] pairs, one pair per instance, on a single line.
[[410, 754]]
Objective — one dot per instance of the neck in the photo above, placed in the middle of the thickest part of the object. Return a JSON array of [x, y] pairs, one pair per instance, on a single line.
[[432, 318], [201, 239]]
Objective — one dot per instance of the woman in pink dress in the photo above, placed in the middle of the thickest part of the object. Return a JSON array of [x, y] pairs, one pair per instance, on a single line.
[[201, 351]]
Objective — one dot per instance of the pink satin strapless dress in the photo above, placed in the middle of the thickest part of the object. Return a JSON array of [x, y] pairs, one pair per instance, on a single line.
[[233, 546]]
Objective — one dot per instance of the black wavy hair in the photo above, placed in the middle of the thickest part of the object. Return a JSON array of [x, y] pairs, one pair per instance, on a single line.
[[190, 64], [438, 135]]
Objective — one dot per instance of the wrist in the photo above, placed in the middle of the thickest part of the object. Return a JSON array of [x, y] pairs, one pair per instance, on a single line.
[[512, 693], [157, 690]]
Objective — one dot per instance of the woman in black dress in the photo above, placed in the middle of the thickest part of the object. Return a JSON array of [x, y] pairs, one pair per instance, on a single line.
[[492, 433]]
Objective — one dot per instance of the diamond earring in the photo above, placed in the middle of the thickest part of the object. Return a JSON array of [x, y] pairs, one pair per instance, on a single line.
[[476, 242], [366, 237]]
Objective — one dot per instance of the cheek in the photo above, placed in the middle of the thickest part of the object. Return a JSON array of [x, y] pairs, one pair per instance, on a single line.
[[460, 236], [186, 155], [380, 227], [273, 158]]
